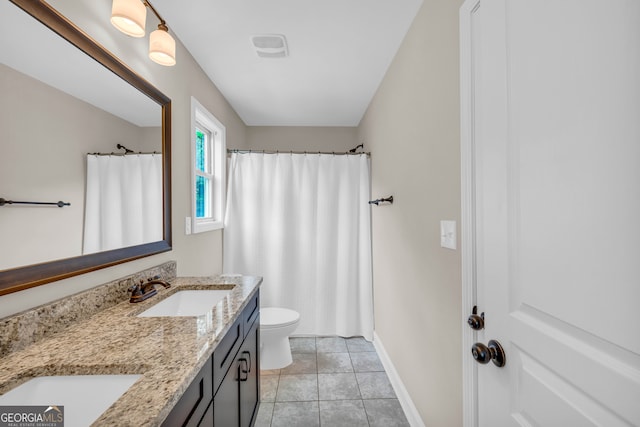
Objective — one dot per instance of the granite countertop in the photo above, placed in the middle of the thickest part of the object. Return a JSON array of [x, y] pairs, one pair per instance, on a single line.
[[167, 351]]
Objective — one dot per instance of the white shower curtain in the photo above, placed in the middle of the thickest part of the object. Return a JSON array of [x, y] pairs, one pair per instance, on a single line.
[[123, 205], [302, 221]]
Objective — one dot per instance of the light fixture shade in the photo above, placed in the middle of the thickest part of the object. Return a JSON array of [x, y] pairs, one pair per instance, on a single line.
[[162, 47], [129, 16]]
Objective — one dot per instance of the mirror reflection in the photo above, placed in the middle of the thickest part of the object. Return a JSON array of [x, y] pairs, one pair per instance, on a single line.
[[58, 105]]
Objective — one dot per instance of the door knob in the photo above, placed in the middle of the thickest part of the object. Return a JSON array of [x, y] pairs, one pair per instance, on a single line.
[[494, 352], [476, 322]]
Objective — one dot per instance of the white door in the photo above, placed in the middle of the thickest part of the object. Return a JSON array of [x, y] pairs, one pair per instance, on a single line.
[[551, 141]]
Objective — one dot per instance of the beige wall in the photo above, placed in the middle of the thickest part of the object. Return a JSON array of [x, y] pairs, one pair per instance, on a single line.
[[412, 130], [338, 139], [46, 135], [199, 254]]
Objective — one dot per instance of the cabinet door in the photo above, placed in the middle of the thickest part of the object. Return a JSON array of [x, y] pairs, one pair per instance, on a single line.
[[194, 402], [227, 400], [207, 418], [249, 375]]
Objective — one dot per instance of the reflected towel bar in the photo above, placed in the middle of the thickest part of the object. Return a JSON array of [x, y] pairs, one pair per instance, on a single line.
[[378, 201], [126, 152], [59, 204]]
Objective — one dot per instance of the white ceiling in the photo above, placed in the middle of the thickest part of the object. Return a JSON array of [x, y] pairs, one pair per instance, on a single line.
[[339, 51]]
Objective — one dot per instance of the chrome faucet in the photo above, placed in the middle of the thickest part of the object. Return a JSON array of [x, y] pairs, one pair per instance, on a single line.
[[143, 291]]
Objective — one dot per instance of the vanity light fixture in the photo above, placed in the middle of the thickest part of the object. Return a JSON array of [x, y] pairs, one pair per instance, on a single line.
[[129, 16]]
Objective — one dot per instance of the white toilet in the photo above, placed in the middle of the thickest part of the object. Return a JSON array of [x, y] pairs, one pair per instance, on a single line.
[[276, 324]]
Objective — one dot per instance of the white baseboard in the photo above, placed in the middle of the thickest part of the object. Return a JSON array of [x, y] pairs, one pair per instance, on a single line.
[[409, 408]]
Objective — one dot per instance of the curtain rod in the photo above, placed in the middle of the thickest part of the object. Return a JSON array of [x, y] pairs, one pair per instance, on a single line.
[[122, 154], [346, 153]]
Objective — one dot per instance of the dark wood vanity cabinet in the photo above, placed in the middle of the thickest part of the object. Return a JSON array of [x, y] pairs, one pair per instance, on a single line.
[[249, 375], [249, 356], [226, 391], [236, 400]]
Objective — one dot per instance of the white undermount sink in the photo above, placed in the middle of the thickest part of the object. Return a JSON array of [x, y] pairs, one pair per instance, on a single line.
[[186, 303], [84, 397]]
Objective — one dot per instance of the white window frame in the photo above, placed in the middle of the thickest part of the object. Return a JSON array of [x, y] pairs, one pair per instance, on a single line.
[[204, 119]]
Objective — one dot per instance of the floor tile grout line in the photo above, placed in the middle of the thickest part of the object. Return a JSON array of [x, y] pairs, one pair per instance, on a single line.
[[275, 398], [318, 382], [364, 408], [273, 410]]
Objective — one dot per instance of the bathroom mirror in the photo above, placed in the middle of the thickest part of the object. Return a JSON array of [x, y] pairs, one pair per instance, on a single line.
[[64, 96]]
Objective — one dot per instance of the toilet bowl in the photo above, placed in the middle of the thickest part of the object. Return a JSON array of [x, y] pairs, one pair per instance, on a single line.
[[276, 324]]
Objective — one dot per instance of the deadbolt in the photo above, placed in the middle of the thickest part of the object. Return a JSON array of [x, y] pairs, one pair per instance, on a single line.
[[494, 352], [476, 322]]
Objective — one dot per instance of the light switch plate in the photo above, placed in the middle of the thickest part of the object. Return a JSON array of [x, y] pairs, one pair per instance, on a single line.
[[187, 225], [448, 236]]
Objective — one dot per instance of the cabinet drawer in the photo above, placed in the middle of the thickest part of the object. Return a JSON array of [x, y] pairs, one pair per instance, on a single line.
[[195, 400], [226, 351], [250, 312]]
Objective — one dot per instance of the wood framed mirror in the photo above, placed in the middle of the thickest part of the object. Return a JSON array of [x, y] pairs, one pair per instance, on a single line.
[[25, 275]]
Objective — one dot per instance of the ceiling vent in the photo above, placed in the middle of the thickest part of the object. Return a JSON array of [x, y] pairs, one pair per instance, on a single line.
[[270, 46]]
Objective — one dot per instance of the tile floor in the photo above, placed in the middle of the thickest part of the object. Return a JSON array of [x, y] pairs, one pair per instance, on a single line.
[[332, 382]]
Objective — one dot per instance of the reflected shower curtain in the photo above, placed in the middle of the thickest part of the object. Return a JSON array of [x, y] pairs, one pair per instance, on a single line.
[[123, 205], [302, 221]]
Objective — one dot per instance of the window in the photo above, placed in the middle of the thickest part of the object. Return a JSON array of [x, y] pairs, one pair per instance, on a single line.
[[208, 153]]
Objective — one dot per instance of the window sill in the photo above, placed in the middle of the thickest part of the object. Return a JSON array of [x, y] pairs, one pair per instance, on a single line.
[[202, 227]]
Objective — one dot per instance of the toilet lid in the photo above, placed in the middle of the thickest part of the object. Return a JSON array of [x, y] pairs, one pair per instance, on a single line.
[[276, 317]]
